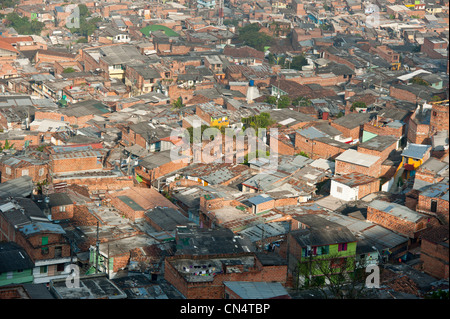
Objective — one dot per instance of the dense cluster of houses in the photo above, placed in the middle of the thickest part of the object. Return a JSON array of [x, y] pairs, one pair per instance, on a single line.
[[356, 165]]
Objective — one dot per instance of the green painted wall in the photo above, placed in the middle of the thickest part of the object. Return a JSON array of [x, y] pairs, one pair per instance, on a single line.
[[367, 136], [25, 276], [310, 265]]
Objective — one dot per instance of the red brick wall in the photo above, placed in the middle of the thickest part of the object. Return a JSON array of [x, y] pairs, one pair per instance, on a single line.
[[32, 245], [216, 289], [354, 133], [397, 132], [370, 188], [395, 224], [424, 205], [57, 214], [439, 120], [400, 94], [435, 259], [418, 133], [383, 154], [74, 165], [317, 150], [343, 168], [33, 172], [283, 148], [97, 183]]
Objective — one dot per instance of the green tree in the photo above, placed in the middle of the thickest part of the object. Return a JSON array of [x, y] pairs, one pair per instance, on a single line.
[[281, 103], [7, 146], [262, 120], [333, 276], [23, 25], [284, 101], [68, 70], [8, 3], [82, 40], [271, 58], [250, 35], [419, 81], [358, 104], [87, 24], [298, 62], [178, 103], [301, 101]]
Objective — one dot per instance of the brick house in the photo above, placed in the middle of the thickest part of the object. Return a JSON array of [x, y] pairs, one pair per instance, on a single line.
[[16, 166], [156, 165], [213, 114], [61, 206], [434, 47], [435, 252], [353, 161], [381, 146], [76, 114], [141, 78], [76, 162], [351, 125], [353, 186], [243, 55], [434, 200], [135, 201], [24, 223], [318, 144], [315, 238], [165, 218], [203, 277], [397, 218]]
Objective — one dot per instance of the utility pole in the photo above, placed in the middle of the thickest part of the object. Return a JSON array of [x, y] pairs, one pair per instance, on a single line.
[[220, 20], [287, 251], [97, 251]]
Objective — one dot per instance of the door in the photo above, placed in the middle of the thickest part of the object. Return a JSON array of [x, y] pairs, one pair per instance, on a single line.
[[433, 206]]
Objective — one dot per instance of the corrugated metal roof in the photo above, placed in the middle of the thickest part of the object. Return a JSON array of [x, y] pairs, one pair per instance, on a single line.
[[416, 151], [38, 227], [396, 210], [260, 199], [355, 157], [256, 290]]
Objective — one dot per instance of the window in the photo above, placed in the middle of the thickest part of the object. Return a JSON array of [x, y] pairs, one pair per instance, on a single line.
[[323, 250], [44, 250], [25, 172], [62, 208], [8, 171], [41, 171], [339, 189], [342, 247], [58, 252], [43, 269], [60, 267]]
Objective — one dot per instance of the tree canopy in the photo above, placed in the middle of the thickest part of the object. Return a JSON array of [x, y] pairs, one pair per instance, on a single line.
[[250, 35], [262, 120], [298, 62], [87, 25], [281, 103], [23, 25]]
